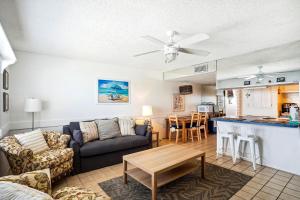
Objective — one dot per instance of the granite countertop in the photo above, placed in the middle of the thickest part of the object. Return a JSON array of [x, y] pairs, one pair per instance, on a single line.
[[267, 121]]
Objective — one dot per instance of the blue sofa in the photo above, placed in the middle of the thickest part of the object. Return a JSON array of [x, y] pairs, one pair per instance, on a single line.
[[101, 153]]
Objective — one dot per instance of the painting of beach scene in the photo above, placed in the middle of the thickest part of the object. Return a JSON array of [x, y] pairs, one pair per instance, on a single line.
[[113, 91]]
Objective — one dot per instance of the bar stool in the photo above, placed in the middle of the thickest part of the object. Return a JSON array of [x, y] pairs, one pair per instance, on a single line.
[[248, 136], [230, 135]]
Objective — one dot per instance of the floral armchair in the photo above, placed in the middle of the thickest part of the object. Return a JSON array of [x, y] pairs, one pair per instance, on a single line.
[[40, 181], [58, 159]]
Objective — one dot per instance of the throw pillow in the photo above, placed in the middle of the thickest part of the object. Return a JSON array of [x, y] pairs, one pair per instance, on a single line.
[[108, 128], [141, 130], [127, 127], [33, 140], [17, 191], [77, 136], [89, 131]]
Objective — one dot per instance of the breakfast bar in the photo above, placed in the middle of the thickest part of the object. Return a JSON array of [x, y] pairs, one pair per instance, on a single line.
[[278, 140]]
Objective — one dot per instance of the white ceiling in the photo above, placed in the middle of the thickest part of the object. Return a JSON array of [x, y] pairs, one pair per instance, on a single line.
[[109, 31]]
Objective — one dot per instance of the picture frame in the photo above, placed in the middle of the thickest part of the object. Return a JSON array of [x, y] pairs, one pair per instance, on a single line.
[[5, 101], [112, 91], [178, 103], [5, 80]]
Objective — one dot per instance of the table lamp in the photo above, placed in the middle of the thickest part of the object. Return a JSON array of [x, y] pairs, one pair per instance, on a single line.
[[147, 112], [33, 105]]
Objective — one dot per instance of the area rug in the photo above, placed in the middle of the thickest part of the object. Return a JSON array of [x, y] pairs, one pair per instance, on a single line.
[[219, 183]]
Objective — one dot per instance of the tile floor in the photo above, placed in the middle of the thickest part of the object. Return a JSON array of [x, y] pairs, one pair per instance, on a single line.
[[266, 184]]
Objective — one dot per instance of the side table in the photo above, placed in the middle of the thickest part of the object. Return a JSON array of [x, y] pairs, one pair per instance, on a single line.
[[157, 137]]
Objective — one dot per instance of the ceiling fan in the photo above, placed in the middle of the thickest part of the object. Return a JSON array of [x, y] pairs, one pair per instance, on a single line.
[[171, 48], [260, 76]]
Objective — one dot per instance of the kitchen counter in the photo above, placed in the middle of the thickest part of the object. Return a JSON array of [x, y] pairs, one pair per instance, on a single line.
[[257, 121], [278, 140]]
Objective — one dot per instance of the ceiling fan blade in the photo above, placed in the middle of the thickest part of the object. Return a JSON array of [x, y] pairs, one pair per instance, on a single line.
[[194, 51], [141, 54], [193, 39], [153, 40]]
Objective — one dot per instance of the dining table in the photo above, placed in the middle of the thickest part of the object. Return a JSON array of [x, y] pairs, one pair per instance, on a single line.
[[183, 121]]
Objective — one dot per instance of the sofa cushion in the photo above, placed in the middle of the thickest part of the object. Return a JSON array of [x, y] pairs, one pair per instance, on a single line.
[[89, 131], [77, 136], [108, 128], [74, 126], [127, 126], [99, 147], [141, 130]]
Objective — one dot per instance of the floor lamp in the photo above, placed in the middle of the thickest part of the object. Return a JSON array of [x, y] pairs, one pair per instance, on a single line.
[[33, 105]]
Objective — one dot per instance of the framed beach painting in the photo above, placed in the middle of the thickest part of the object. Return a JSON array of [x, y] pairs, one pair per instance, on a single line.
[[113, 91], [5, 101], [5, 80]]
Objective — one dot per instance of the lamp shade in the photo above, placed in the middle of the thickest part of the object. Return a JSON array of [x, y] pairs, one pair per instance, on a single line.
[[33, 105], [147, 110]]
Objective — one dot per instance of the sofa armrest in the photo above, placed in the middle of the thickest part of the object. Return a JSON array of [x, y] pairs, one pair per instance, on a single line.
[[11, 147], [149, 136], [39, 180], [76, 158], [56, 140]]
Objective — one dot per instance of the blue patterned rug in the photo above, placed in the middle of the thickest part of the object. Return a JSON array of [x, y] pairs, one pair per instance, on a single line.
[[219, 184]]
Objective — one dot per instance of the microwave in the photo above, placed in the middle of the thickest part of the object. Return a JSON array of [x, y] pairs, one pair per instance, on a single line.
[[206, 108]]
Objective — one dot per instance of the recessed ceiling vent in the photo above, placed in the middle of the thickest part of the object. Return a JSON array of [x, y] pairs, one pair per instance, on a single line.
[[200, 68]]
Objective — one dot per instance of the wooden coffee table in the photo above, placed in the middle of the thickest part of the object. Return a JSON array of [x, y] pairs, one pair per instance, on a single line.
[[159, 166]]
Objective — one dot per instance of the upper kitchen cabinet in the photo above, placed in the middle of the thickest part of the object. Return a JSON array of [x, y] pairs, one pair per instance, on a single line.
[[293, 88]]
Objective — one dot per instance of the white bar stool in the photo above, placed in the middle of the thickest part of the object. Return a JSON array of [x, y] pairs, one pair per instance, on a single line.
[[248, 136], [230, 136]]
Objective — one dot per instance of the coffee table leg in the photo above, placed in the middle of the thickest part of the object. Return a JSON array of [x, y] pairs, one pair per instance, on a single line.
[[154, 186], [202, 165], [124, 171]]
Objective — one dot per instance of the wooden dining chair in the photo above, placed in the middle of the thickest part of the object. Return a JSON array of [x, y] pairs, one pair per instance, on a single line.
[[174, 127], [203, 124], [194, 127]]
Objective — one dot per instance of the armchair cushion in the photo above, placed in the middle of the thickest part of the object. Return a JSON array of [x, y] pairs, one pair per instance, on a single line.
[[51, 158], [16, 191], [77, 193], [38, 180]]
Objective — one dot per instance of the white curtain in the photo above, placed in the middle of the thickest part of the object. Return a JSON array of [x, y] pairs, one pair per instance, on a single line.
[[7, 56]]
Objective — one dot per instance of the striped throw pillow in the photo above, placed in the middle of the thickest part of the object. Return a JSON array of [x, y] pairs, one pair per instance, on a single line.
[[89, 131], [127, 126], [33, 140]]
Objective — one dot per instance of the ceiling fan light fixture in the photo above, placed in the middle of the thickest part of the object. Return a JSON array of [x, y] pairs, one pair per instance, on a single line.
[[169, 57]]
